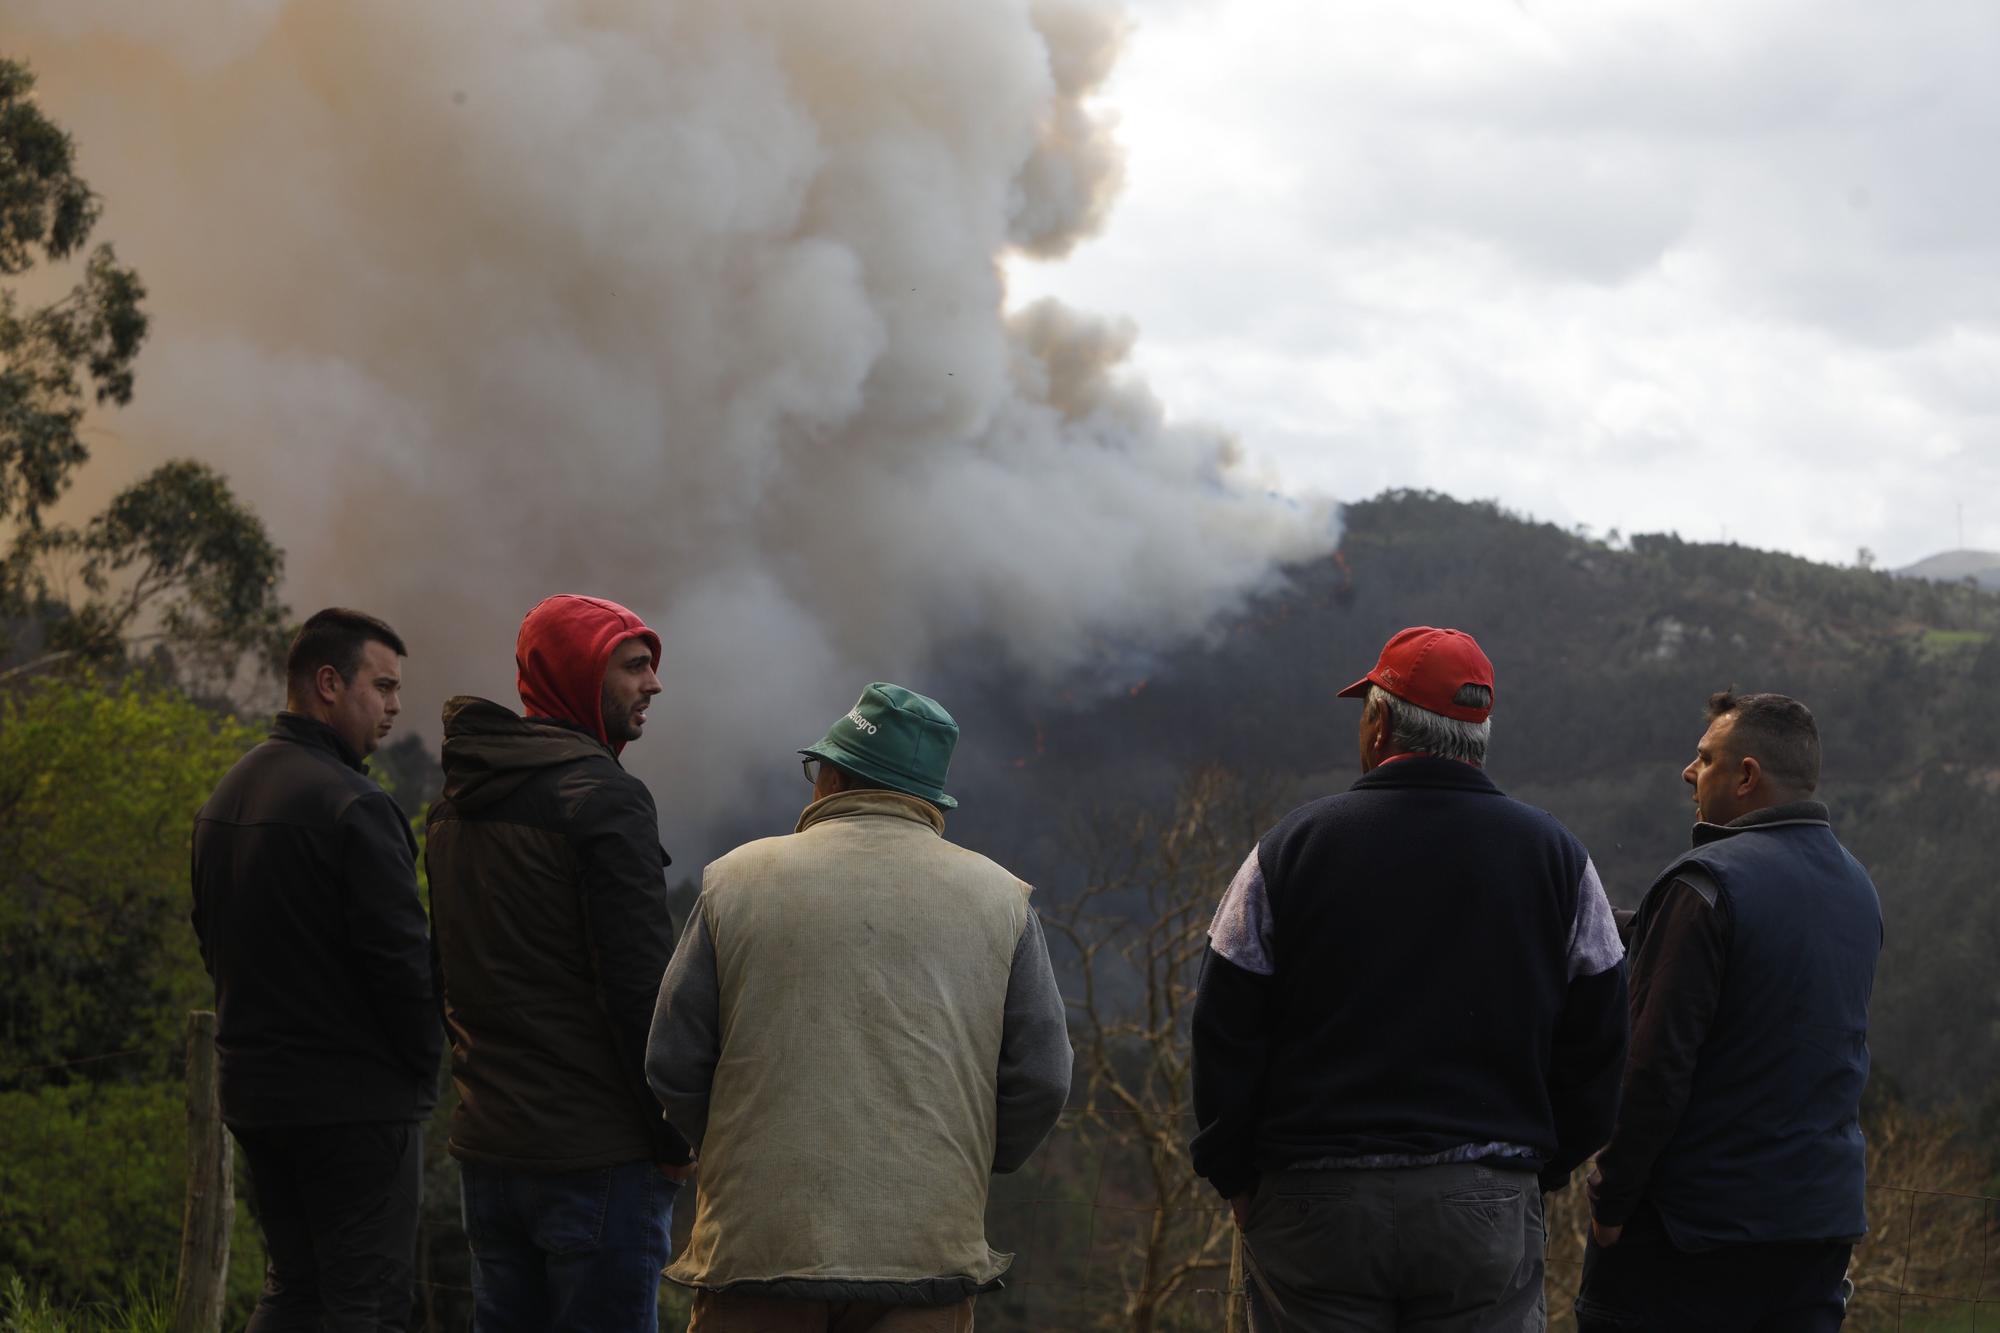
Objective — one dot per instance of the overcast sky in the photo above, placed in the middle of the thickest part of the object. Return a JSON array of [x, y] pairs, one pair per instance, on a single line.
[[1721, 269]]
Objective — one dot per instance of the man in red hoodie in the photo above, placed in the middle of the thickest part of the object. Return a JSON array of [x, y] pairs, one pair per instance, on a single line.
[[549, 909]]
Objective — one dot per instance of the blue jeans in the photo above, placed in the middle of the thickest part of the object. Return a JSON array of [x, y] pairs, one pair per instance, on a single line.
[[567, 1250]]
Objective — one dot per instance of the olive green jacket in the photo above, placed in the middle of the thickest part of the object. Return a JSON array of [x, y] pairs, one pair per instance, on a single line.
[[549, 909], [859, 1026]]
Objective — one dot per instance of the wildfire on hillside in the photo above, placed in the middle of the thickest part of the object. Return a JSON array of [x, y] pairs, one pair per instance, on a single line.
[[1041, 746]]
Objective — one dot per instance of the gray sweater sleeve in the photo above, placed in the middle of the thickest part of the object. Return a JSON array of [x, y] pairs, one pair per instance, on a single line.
[[685, 1042], [1034, 1052]]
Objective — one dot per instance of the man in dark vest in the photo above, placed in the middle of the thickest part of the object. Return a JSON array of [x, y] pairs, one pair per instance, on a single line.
[[1412, 1006], [1730, 1195]]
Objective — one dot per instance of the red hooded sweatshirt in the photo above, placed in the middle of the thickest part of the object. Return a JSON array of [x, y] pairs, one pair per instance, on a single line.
[[563, 648]]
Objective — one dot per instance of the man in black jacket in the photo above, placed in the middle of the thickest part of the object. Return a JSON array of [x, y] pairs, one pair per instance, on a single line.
[[1412, 1007], [305, 903], [550, 900], [1731, 1193]]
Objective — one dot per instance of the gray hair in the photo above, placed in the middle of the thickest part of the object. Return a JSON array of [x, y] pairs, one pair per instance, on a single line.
[[1424, 732]]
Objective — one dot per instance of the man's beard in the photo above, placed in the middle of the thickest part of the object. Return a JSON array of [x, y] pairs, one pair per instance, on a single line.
[[618, 728]]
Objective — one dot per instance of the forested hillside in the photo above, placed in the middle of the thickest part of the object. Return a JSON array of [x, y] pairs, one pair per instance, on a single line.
[[1605, 650]]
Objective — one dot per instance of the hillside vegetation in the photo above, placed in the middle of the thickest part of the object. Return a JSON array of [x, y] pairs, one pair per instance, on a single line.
[[1605, 650]]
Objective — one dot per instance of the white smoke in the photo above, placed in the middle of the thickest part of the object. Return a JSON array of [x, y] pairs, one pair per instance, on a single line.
[[692, 305]]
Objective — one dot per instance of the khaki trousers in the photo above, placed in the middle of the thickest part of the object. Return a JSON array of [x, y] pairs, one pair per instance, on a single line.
[[733, 1312]]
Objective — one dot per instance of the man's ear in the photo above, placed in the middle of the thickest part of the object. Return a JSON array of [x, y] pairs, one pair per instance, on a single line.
[[327, 684], [1749, 776], [1377, 738]]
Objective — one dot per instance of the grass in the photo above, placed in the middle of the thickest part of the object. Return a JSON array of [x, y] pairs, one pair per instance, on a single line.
[[144, 1310]]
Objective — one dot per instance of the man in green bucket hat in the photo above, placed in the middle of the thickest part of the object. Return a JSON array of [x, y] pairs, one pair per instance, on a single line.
[[859, 1026], [892, 738]]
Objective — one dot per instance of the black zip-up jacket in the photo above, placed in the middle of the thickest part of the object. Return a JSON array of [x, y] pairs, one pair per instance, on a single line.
[[305, 903], [550, 900]]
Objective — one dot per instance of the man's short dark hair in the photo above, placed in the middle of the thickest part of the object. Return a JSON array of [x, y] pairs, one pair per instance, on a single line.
[[1776, 730], [335, 637]]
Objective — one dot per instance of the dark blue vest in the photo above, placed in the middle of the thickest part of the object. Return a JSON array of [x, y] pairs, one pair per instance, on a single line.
[[1769, 1148], [1421, 923]]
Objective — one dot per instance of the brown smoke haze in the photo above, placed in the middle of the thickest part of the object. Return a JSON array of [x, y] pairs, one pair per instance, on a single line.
[[696, 306]]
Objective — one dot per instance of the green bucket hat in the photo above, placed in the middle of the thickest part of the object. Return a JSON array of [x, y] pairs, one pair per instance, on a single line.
[[896, 737]]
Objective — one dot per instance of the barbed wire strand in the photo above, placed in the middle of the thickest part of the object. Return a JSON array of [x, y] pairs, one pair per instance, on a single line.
[[7, 1075]]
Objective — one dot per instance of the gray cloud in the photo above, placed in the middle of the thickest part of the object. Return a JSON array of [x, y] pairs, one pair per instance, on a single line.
[[1640, 264]]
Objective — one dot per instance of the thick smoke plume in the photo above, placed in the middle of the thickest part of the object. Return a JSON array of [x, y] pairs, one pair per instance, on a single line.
[[694, 305]]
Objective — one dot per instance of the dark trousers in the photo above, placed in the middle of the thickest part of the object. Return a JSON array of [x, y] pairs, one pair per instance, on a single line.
[[1437, 1248], [574, 1250], [338, 1205], [1644, 1285]]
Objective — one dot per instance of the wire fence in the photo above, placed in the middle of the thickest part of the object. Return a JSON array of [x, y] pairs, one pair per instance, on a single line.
[[1926, 1264], [92, 1174]]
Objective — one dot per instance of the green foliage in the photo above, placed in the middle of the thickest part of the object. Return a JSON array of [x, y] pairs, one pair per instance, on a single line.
[[178, 549], [43, 205], [98, 790], [99, 785], [175, 559], [99, 782], [56, 358], [90, 1186], [91, 1193]]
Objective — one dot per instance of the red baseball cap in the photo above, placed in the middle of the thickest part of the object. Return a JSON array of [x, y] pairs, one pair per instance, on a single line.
[[1427, 667]]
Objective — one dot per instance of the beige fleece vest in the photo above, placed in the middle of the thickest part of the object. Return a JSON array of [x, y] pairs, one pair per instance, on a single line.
[[862, 965]]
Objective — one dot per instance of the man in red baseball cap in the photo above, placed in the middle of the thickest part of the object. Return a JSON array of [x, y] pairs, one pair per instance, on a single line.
[[549, 904], [1432, 668], [1410, 1022]]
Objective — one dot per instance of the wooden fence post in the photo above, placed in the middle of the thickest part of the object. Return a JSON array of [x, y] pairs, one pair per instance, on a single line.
[[1234, 1316], [211, 1189]]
